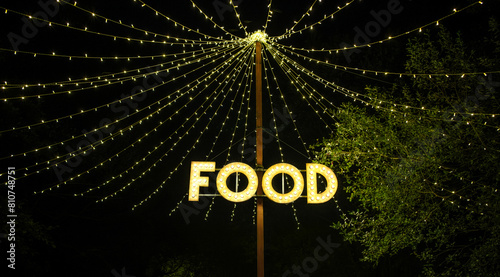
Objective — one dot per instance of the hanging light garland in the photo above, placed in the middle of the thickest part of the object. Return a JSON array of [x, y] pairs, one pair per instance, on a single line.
[[217, 77]]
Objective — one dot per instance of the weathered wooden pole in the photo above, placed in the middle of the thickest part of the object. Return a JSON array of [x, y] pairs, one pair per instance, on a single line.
[[260, 159]]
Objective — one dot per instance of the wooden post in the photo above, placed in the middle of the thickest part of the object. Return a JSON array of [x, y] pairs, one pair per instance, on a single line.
[[260, 160]]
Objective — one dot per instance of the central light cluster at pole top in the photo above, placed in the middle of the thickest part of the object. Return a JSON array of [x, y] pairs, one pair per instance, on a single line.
[[257, 36]]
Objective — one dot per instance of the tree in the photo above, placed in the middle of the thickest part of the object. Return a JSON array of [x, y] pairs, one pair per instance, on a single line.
[[171, 267], [425, 179], [33, 241]]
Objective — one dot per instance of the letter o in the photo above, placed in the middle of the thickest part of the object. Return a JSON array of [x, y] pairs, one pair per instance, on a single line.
[[241, 196], [369, 29], [289, 169], [313, 264]]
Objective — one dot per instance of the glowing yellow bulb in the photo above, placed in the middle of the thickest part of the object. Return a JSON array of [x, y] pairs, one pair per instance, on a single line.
[[314, 197], [292, 171], [258, 36], [244, 169], [198, 181]]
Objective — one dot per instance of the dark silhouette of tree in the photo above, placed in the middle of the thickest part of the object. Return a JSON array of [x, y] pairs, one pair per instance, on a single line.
[[425, 180]]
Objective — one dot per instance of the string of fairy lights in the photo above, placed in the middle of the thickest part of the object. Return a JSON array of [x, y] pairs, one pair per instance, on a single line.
[[94, 109], [192, 54], [182, 26], [129, 128], [245, 92], [292, 31], [131, 26], [382, 73], [111, 82], [220, 91], [370, 44], [200, 102], [276, 131], [388, 105], [269, 15], [166, 40]]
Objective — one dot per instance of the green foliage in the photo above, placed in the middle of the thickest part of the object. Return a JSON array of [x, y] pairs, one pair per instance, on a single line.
[[425, 180], [33, 240], [180, 266]]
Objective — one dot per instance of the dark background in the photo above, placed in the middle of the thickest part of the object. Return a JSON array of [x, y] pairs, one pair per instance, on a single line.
[[59, 234]]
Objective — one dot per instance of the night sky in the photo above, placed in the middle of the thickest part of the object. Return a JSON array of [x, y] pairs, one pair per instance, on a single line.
[[119, 206]]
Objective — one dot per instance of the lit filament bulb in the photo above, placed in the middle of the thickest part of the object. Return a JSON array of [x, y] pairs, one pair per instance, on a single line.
[[258, 36]]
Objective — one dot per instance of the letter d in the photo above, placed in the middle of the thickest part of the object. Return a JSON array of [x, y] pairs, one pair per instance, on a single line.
[[383, 17]]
